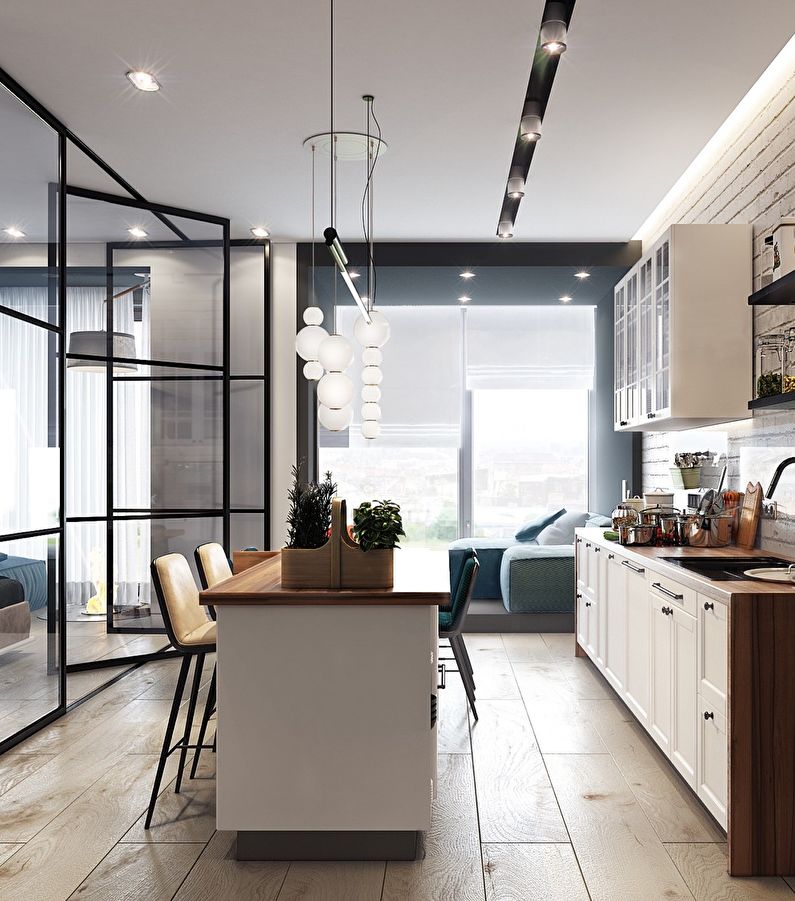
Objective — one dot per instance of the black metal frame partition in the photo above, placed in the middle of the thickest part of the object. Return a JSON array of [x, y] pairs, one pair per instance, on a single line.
[[57, 327]]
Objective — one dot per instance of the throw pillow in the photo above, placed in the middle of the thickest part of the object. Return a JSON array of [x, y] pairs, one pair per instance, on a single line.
[[562, 531], [533, 529]]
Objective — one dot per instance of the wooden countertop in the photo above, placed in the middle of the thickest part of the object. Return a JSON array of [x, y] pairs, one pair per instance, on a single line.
[[421, 578], [649, 557]]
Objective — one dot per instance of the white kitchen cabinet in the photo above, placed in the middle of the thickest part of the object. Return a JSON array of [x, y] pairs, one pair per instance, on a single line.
[[660, 698], [636, 684], [583, 610], [712, 652], [713, 761], [694, 280], [613, 607], [684, 726]]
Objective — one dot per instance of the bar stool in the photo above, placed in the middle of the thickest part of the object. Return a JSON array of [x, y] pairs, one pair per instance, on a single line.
[[193, 635], [451, 624], [213, 567]]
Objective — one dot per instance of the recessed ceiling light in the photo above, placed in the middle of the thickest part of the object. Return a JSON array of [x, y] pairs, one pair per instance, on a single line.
[[465, 298], [14, 232], [260, 232], [144, 81], [565, 298], [582, 274], [137, 232], [467, 274], [354, 274]]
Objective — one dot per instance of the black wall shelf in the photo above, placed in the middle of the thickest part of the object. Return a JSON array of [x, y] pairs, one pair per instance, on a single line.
[[780, 291], [782, 401]]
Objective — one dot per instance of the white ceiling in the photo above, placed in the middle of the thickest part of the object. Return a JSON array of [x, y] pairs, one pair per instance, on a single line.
[[642, 88]]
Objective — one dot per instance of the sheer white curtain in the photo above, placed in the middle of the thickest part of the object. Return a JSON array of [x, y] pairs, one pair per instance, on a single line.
[[29, 468]]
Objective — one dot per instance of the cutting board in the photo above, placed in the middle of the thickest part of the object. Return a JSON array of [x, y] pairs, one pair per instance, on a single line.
[[750, 513]]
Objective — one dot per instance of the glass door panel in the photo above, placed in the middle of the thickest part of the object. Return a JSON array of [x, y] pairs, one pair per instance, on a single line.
[[662, 328], [633, 368], [646, 340]]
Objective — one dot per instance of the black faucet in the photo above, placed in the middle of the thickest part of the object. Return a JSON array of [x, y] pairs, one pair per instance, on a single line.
[[777, 475]]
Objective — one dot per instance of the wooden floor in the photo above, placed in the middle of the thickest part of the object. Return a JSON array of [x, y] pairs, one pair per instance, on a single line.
[[554, 794]]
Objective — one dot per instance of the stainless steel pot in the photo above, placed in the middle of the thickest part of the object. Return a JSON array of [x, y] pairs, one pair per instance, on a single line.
[[652, 516], [636, 535], [711, 531]]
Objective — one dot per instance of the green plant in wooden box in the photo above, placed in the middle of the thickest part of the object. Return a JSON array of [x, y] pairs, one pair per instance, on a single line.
[[377, 525], [309, 516]]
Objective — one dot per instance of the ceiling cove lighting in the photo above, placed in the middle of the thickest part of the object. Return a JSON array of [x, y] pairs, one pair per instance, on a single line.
[[467, 274], [143, 80], [259, 232], [554, 30], [14, 232], [137, 232], [582, 274], [530, 126], [550, 43]]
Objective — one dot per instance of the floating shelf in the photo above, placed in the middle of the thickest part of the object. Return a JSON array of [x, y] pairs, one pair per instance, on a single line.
[[784, 401], [780, 291]]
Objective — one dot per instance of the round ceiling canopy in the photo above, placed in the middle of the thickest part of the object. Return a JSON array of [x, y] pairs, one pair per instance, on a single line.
[[351, 145]]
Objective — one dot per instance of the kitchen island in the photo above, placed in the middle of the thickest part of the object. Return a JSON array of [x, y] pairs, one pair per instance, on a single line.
[[327, 709], [707, 667]]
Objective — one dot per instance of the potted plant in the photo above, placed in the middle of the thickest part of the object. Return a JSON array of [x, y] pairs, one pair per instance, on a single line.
[[307, 559], [367, 558], [686, 471], [377, 525]]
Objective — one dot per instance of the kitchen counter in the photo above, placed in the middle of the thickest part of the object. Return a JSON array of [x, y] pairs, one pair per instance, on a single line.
[[327, 711], [650, 557]]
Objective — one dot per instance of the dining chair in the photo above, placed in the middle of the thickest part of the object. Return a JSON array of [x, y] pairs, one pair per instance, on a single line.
[[193, 635], [451, 623]]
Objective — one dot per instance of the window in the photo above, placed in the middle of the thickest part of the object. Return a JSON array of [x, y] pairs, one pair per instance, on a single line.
[[524, 372]]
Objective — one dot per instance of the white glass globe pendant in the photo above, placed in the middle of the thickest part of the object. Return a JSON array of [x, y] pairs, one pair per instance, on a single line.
[[335, 390], [374, 333], [372, 356], [371, 394], [371, 429], [335, 353], [308, 341], [372, 375], [335, 420], [370, 411]]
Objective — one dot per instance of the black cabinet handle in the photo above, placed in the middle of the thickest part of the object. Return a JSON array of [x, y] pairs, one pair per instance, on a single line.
[[651, 415], [579, 594], [635, 569], [670, 594], [709, 715], [587, 603], [667, 611], [623, 422], [611, 556], [587, 543], [596, 550], [708, 605]]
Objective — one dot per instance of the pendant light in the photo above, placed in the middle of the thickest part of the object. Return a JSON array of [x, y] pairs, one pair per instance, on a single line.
[[87, 343]]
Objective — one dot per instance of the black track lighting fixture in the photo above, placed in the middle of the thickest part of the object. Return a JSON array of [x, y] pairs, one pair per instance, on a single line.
[[550, 44]]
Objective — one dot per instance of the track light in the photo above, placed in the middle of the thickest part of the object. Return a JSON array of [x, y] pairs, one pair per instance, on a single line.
[[515, 187], [144, 81], [530, 126], [505, 229], [554, 31]]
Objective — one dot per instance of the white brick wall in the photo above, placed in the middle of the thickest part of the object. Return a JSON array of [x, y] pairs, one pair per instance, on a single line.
[[753, 181]]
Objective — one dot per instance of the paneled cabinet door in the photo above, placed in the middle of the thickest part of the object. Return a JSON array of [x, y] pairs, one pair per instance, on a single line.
[[583, 599], [581, 563], [713, 777], [592, 634], [660, 701], [636, 685], [712, 652], [684, 728], [613, 607]]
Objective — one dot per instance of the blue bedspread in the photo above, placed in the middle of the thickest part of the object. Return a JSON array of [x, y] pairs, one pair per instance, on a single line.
[[33, 576]]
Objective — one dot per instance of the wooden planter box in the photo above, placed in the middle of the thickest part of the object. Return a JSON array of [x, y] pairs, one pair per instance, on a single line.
[[339, 563]]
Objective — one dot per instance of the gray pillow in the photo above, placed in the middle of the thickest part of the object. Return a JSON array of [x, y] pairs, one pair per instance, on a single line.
[[599, 520], [535, 527], [562, 531]]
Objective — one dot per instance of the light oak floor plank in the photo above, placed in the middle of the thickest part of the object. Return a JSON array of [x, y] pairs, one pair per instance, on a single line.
[[333, 881], [15, 766], [218, 876], [515, 799], [134, 872], [494, 679], [7, 849], [453, 734], [62, 855], [703, 867], [537, 872], [670, 806], [619, 853], [562, 727], [451, 867]]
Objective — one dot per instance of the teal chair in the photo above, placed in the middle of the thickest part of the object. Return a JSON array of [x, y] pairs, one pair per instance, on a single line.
[[451, 623]]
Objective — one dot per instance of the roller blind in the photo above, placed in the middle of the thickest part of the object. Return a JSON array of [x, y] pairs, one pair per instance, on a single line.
[[530, 347], [421, 390]]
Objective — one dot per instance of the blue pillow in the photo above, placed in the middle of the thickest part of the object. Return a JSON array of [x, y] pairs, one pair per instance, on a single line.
[[535, 527]]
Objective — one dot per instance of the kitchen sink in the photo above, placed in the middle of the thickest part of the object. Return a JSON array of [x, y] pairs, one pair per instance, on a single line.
[[725, 569]]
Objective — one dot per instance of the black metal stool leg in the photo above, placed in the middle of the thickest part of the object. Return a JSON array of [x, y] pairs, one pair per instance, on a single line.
[[194, 692], [172, 720], [466, 678], [209, 707], [466, 657]]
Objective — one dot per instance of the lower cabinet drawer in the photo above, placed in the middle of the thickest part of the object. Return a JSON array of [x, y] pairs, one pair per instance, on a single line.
[[666, 589], [713, 761]]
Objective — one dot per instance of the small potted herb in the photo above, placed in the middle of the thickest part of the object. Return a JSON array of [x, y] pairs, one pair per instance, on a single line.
[[307, 560], [377, 525]]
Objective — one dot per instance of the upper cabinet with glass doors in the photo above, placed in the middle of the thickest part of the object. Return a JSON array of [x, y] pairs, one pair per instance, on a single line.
[[683, 341]]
